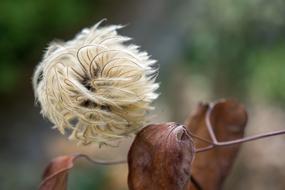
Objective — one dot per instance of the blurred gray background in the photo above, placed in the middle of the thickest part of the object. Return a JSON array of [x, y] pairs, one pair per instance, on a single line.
[[206, 49]]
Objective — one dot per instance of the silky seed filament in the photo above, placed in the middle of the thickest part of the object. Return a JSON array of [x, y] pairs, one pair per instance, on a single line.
[[95, 87]]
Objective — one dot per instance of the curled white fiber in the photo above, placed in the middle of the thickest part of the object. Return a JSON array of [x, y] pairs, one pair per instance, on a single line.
[[95, 86]]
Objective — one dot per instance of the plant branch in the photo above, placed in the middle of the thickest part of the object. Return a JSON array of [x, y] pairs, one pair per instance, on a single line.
[[101, 162], [216, 143]]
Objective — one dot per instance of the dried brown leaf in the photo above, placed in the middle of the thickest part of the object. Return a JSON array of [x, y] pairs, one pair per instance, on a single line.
[[56, 173], [228, 119], [160, 158]]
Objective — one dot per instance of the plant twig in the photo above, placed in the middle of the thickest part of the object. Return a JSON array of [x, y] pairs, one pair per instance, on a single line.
[[215, 143], [102, 162]]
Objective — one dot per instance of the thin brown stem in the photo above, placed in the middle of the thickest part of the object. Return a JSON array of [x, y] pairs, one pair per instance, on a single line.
[[198, 137], [251, 138], [209, 124], [204, 149], [216, 143], [102, 162]]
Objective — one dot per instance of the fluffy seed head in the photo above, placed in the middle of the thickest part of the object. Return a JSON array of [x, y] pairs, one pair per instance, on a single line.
[[95, 86]]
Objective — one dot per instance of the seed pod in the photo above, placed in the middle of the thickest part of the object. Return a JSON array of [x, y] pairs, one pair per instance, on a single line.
[[95, 86]]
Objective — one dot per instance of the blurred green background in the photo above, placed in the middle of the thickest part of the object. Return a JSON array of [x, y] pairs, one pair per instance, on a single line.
[[206, 49]]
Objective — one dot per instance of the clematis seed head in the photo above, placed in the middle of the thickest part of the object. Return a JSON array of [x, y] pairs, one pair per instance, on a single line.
[[95, 86]]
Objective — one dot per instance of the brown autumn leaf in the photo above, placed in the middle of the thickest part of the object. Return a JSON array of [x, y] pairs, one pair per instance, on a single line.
[[228, 119], [160, 158], [56, 173]]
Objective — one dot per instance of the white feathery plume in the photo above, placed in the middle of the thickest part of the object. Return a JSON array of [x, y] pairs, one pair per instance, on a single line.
[[96, 86]]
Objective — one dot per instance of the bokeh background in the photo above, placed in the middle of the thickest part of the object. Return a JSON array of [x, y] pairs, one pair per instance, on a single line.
[[206, 49]]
